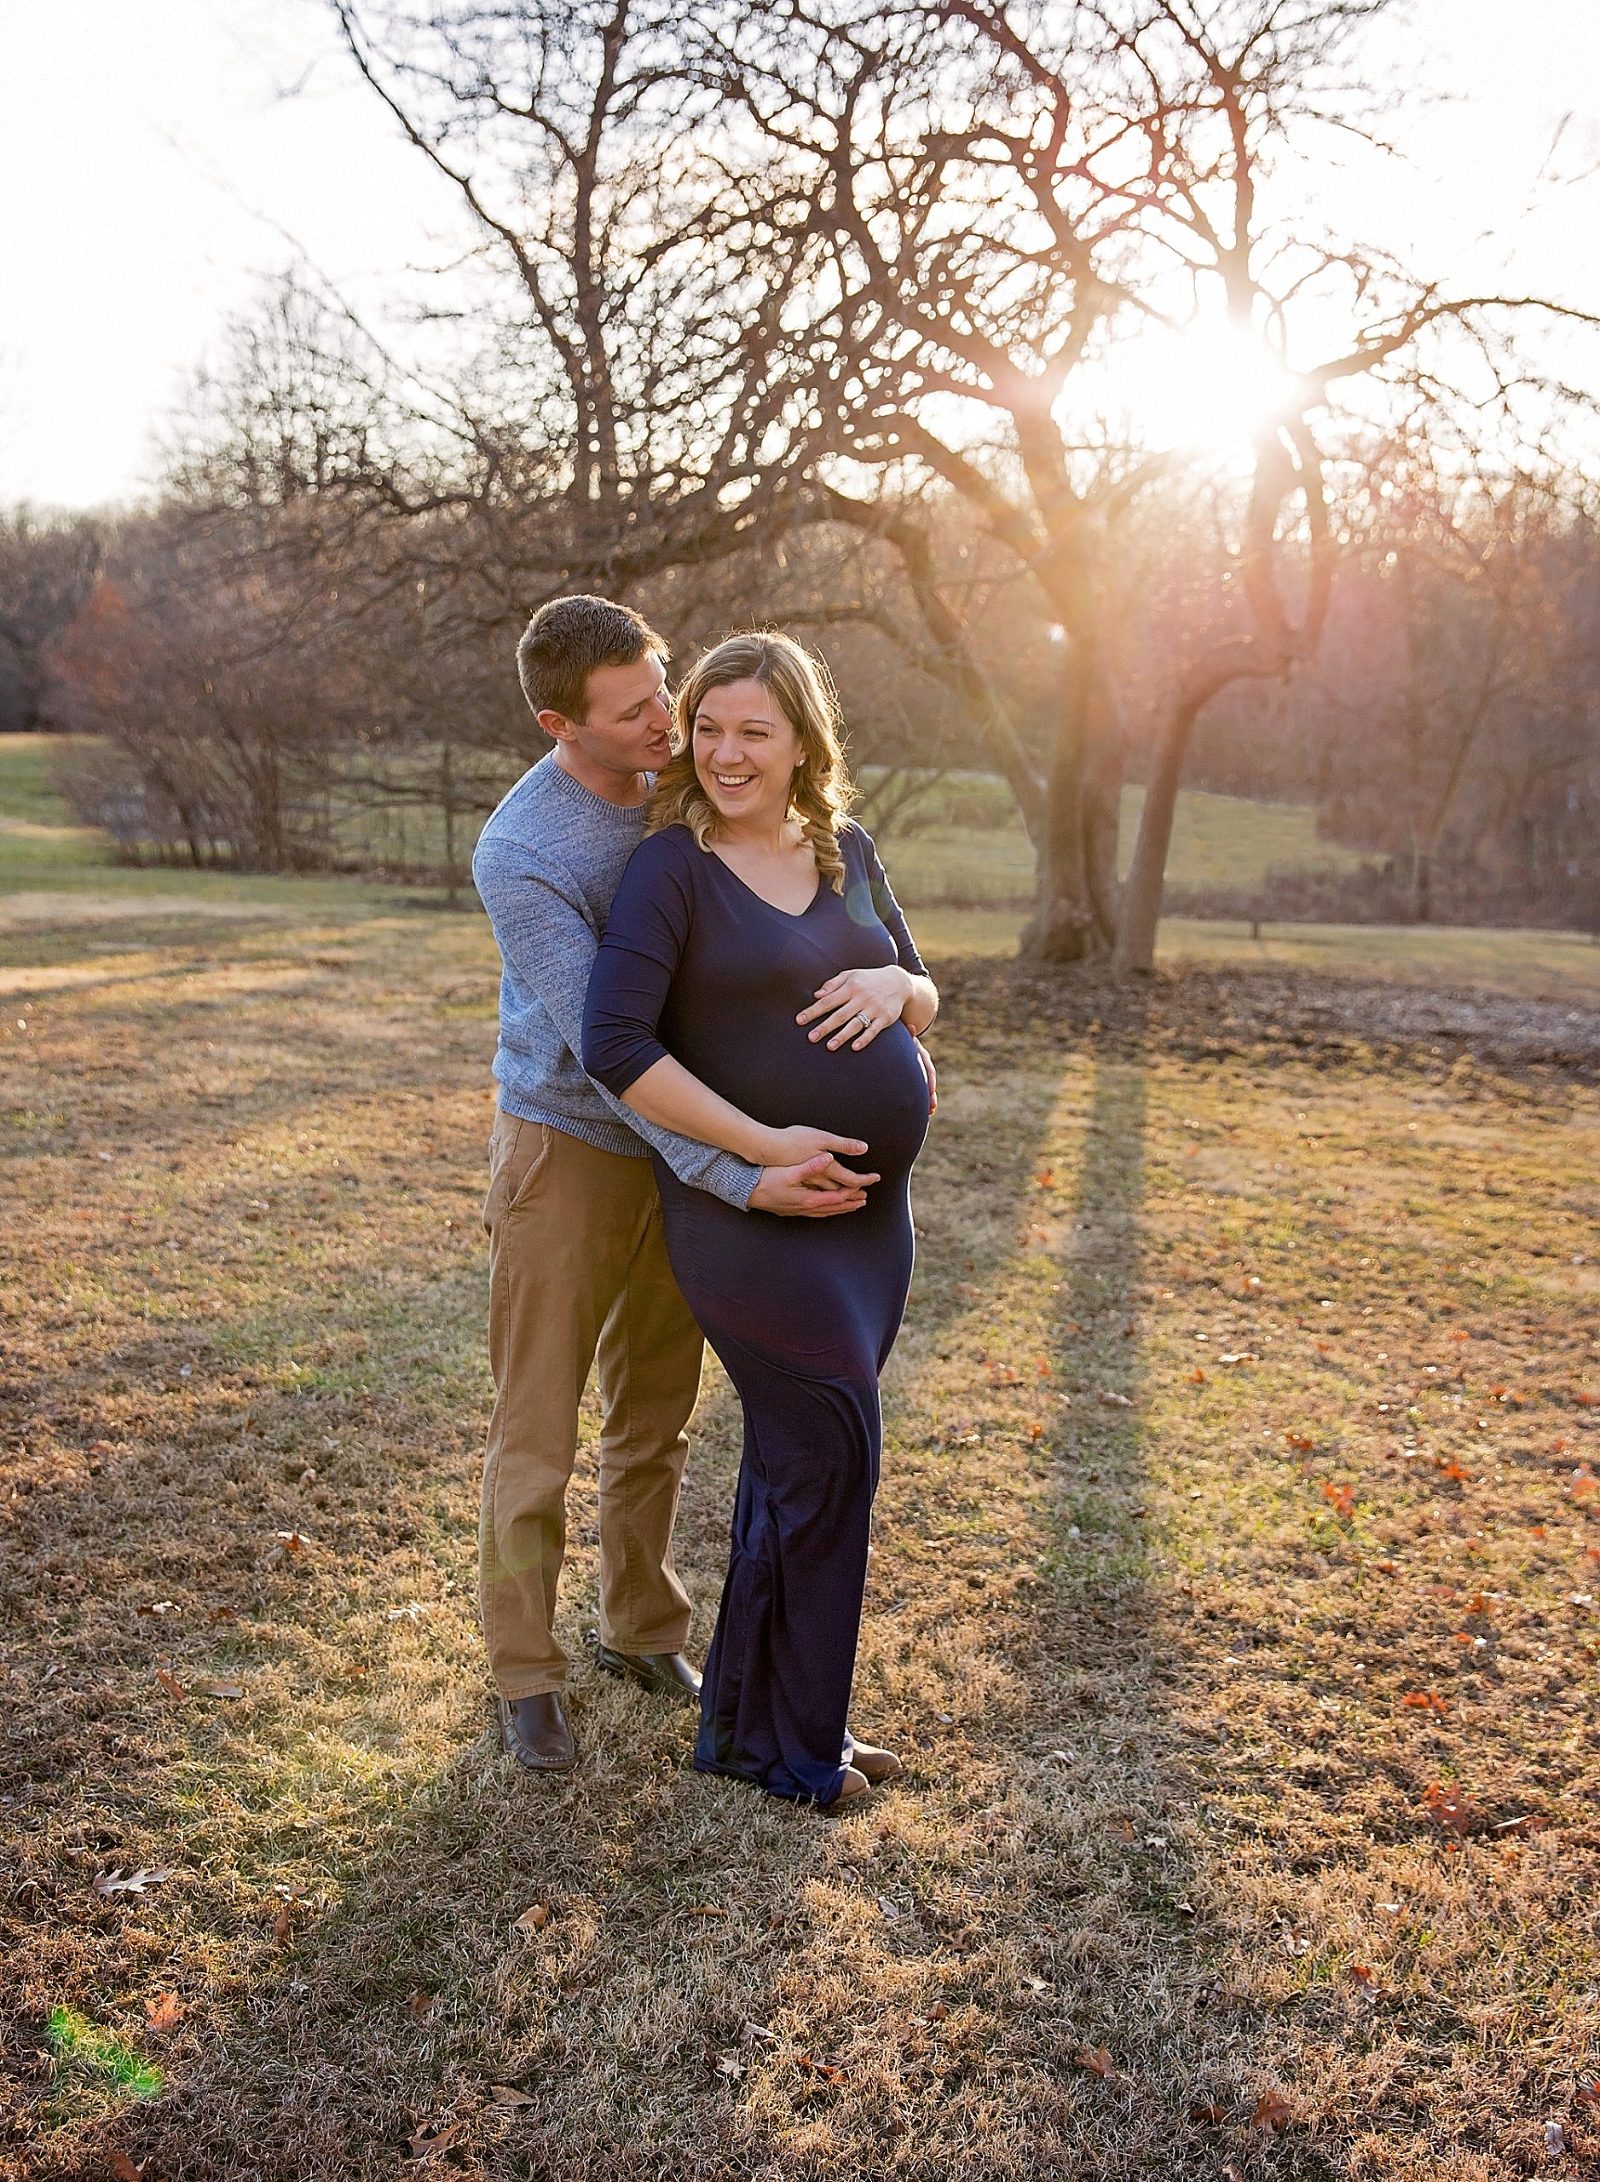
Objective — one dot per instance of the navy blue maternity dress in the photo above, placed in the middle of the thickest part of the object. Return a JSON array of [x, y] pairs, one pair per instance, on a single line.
[[803, 1313]]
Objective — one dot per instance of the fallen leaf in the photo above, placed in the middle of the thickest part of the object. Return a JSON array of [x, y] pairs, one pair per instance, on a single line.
[[170, 1683], [1208, 2111], [283, 1925], [701, 1909], [1424, 1701], [1239, 1356], [1448, 1808], [435, 2137], [533, 1920], [1360, 1971], [1300, 1442], [938, 2012], [825, 2069], [509, 2095], [1588, 2095], [1197, 1376], [1001, 1374], [729, 2065], [132, 1882], [1095, 2060], [757, 2034], [162, 2012], [1555, 2140], [1271, 2113], [1113, 1400], [122, 2169], [419, 2005], [1341, 1498], [156, 1606], [222, 1689]]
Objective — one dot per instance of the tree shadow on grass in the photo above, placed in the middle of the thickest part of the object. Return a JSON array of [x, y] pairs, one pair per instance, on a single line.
[[1126, 1866]]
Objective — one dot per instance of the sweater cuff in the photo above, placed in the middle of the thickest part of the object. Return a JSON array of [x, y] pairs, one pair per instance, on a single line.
[[732, 1179]]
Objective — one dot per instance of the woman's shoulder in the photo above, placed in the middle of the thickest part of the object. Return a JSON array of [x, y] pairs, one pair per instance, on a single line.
[[669, 849], [856, 842]]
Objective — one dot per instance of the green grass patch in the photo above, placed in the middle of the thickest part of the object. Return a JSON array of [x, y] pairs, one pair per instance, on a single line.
[[79, 2044]]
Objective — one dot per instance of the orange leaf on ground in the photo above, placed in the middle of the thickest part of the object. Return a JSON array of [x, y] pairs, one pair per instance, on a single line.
[[162, 2012], [1271, 2112], [1341, 1499], [171, 1684], [1198, 1376], [419, 2005], [533, 1920], [283, 1925], [1094, 2059], [1300, 1442], [1207, 2110], [1448, 1808], [1424, 1701], [1361, 1972], [122, 2169], [825, 2069]]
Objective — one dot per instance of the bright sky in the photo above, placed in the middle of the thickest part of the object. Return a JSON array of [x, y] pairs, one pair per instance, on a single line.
[[153, 166]]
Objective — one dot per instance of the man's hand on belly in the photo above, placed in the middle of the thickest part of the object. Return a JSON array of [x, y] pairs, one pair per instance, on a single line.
[[815, 1189]]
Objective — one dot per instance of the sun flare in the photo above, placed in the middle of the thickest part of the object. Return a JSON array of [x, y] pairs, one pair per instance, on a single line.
[[1212, 389]]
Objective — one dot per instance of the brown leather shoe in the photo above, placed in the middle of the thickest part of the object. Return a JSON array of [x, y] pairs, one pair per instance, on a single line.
[[856, 1785], [534, 1731], [877, 1765], [668, 1674]]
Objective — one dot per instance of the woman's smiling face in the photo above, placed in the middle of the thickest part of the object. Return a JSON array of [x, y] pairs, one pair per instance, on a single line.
[[746, 751]]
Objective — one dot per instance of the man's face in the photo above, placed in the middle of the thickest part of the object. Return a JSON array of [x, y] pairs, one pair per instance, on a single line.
[[629, 727]]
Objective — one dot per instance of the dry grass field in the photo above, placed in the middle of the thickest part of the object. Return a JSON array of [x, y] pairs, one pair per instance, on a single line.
[[1234, 1598]]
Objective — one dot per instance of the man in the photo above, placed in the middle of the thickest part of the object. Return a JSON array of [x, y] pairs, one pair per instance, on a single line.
[[577, 1262]]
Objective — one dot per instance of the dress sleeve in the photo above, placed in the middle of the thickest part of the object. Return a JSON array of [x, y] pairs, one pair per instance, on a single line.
[[887, 910], [645, 935]]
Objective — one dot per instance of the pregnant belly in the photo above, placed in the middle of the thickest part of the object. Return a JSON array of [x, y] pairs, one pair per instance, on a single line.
[[780, 1078]]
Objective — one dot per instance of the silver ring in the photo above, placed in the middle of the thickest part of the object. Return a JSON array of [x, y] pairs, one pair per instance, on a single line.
[[865, 1021]]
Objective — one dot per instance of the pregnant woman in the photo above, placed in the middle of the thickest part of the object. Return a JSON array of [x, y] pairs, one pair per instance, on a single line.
[[756, 966]]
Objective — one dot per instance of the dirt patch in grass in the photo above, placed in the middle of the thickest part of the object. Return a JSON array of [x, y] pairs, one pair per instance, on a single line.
[[1233, 1599]]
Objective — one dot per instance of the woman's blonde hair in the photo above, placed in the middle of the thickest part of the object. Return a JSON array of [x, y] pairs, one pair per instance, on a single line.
[[821, 792]]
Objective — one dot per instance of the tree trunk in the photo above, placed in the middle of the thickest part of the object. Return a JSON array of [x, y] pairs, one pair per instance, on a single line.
[[1140, 916], [1064, 926]]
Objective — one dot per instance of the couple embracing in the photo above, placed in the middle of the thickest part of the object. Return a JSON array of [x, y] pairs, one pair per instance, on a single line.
[[711, 1093]]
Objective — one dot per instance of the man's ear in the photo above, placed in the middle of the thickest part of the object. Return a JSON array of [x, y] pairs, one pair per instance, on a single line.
[[556, 725]]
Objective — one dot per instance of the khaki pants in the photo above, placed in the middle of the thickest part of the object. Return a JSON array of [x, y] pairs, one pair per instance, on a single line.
[[578, 1263]]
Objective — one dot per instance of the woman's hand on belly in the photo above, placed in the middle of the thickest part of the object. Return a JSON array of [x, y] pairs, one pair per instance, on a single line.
[[854, 1006]]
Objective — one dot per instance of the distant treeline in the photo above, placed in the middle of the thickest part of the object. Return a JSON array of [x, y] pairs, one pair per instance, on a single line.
[[266, 694]]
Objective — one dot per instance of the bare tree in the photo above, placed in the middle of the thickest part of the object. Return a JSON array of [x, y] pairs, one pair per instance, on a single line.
[[1004, 194]]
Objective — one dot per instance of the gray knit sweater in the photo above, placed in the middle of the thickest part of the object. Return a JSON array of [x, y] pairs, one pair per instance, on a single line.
[[546, 867]]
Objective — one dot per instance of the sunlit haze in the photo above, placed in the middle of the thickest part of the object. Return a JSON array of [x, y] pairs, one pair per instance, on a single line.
[[156, 161]]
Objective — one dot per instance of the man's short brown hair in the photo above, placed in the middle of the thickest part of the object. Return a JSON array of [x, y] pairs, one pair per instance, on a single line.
[[567, 639]]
